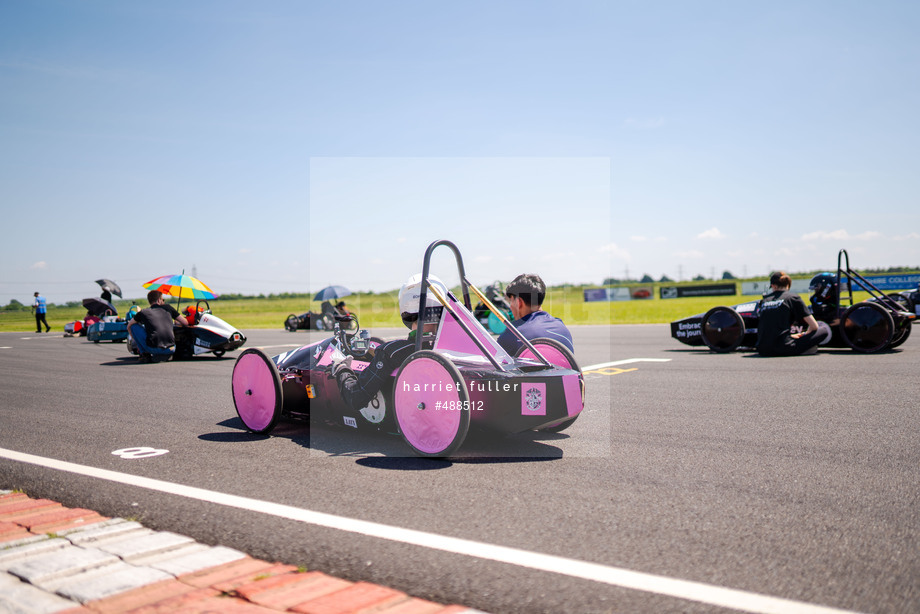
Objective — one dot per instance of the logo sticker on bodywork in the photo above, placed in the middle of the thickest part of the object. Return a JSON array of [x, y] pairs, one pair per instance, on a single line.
[[533, 399]]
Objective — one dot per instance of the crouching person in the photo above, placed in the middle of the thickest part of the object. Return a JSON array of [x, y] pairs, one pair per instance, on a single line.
[[152, 329]]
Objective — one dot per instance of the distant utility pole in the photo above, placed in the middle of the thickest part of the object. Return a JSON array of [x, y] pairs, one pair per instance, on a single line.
[[680, 272], [625, 274], [194, 271]]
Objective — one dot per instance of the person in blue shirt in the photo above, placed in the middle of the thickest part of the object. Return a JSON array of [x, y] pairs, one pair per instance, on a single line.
[[525, 295], [41, 308]]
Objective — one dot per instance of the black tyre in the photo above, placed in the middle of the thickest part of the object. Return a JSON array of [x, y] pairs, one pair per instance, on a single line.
[[901, 335], [722, 329], [904, 301], [867, 327], [559, 355]]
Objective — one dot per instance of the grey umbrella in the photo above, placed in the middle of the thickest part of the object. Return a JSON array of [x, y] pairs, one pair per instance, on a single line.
[[99, 307], [111, 286]]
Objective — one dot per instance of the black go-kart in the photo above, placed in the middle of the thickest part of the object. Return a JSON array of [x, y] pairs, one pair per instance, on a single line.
[[325, 320], [882, 322]]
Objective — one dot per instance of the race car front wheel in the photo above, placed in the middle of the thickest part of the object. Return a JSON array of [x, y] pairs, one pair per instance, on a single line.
[[867, 327], [561, 356], [256, 389], [722, 329], [431, 404]]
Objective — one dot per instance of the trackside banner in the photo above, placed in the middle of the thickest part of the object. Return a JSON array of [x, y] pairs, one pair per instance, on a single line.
[[888, 282], [615, 294], [708, 290], [759, 288], [800, 286]]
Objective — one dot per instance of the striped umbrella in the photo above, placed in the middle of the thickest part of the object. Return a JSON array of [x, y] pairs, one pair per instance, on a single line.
[[182, 286]]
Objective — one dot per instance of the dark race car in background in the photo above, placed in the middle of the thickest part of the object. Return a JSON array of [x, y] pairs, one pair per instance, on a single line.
[[880, 323]]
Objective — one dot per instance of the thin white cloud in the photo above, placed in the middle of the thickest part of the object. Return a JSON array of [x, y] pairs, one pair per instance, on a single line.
[[245, 250], [712, 233], [638, 238], [41, 264], [689, 254], [483, 259], [840, 235], [614, 250], [911, 236]]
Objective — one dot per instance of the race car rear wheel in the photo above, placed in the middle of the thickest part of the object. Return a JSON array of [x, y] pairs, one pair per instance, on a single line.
[[722, 329], [291, 323], [256, 389], [431, 404], [901, 335], [867, 327], [556, 354]]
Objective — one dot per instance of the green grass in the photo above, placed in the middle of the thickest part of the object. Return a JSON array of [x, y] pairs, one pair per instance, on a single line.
[[379, 310]]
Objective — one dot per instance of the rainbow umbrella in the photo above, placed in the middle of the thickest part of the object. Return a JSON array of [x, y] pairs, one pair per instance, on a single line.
[[181, 286]]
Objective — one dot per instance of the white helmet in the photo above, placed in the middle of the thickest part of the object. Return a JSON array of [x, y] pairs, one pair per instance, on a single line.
[[411, 291]]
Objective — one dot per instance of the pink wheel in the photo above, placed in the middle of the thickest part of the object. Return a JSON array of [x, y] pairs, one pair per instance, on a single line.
[[559, 355], [431, 404], [257, 391]]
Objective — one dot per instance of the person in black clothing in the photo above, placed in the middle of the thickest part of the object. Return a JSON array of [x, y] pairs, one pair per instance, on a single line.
[[152, 328], [106, 295], [779, 311]]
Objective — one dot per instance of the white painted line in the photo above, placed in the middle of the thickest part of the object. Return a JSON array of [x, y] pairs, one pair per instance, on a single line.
[[615, 576], [627, 361], [6, 347]]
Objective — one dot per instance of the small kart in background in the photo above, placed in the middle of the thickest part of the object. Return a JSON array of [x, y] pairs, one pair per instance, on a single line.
[[882, 322], [496, 294], [307, 321], [456, 378], [206, 333], [101, 322], [325, 320]]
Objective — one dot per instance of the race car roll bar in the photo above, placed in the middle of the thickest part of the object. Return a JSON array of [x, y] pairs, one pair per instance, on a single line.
[[878, 295], [465, 287]]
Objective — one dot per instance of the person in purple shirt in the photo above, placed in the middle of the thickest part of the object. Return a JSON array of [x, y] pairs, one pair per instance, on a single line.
[[525, 295]]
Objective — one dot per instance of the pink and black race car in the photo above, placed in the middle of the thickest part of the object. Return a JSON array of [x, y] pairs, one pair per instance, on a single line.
[[457, 377]]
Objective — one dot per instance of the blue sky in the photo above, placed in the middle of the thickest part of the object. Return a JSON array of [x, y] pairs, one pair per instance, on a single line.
[[281, 146]]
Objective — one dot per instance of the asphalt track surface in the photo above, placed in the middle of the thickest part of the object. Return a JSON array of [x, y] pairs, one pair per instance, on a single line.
[[727, 482]]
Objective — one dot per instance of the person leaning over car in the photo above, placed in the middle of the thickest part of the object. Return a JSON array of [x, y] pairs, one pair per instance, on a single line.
[[525, 295], [778, 312], [152, 328]]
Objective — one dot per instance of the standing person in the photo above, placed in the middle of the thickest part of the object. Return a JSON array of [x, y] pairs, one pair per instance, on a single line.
[[525, 296], [152, 328], [778, 312], [106, 295], [41, 309]]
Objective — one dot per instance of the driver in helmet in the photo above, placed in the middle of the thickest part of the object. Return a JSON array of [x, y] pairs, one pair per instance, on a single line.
[[778, 312], [825, 300], [358, 390]]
